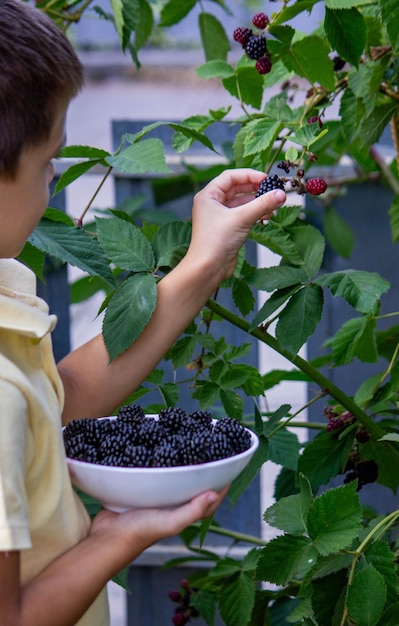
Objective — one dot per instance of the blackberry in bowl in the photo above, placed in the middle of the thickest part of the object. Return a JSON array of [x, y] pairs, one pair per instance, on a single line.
[[134, 460]]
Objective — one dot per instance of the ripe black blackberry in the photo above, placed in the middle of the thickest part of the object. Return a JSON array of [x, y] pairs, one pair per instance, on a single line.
[[203, 417], [165, 455], [131, 412], [220, 447], [367, 471], [256, 47], [138, 456], [172, 418], [239, 438], [268, 184]]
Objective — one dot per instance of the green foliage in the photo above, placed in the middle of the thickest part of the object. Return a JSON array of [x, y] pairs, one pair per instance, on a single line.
[[331, 562]]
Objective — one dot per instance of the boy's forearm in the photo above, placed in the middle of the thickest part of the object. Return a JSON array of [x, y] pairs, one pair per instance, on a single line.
[[94, 387]]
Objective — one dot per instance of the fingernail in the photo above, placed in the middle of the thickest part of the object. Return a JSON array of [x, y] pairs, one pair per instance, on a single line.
[[211, 498], [279, 195]]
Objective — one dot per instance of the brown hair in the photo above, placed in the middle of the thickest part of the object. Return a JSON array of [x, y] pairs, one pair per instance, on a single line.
[[38, 69]]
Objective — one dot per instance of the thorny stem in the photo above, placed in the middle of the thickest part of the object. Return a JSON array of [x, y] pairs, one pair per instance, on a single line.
[[95, 194]]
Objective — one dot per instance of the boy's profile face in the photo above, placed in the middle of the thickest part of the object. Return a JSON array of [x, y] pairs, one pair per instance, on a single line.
[[24, 199]]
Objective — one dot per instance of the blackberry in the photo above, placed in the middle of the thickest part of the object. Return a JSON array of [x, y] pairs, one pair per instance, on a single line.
[[335, 423], [260, 20], [268, 184], [113, 444], [150, 433], [284, 165], [117, 459], [256, 47], [338, 63], [165, 455], [172, 418], [367, 472], [362, 436], [242, 35], [138, 456], [263, 65], [239, 438], [131, 412], [220, 447], [203, 417]]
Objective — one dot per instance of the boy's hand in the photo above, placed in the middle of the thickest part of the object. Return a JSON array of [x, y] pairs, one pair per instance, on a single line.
[[138, 529], [223, 213]]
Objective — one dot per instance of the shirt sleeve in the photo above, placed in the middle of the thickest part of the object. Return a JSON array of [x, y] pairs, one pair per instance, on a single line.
[[14, 511]]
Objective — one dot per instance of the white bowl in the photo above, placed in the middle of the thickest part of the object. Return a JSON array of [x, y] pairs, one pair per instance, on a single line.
[[123, 488]]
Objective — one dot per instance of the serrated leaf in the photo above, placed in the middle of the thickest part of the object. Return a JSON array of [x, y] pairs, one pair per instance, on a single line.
[[390, 16], [171, 242], [366, 596], [362, 290], [372, 126], [280, 277], [283, 557], [345, 4], [246, 84], [355, 338], [33, 258], [205, 603], [299, 318], [236, 599], [334, 519], [394, 218], [125, 245], [182, 350], [71, 245], [144, 24], [272, 236], [301, 60], [346, 31], [233, 404], [215, 42], [276, 300], [174, 11], [73, 173], [321, 459], [129, 312], [284, 448], [379, 554], [289, 513], [382, 454], [327, 594], [261, 135], [139, 158], [310, 244], [243, 297]]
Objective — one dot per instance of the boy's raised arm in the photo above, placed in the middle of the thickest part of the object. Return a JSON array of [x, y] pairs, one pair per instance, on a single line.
[[223, 213]]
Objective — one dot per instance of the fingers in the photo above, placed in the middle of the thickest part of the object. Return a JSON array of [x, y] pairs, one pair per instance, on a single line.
[[200, 507], [232, 182]]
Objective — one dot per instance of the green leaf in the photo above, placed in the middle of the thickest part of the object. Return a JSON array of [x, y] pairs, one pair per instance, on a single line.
[[236, 599], [125, 245], [215, 69], [327, 595], [128, 313], [310, 244], [139, 158], [334, 519], [144, 24], [117, 8], [261, 135], [345, 4], [171, 242], [298, 320], [301, 60], [382, 454], [246, 84], [280, 277], [379, 554], [338, 233], [366, 596], [394, 218], [283, 557], [181, 352], [362, 290], [272, 236], [71, 245], [372, 126], [355, 338], [243, 297], [289, 513], [174, 11], [390, 17], [346, 31], [33, 258], [233, 404], [321, 459], [242, 482], [284, 448], [215, 42], [205, 603]]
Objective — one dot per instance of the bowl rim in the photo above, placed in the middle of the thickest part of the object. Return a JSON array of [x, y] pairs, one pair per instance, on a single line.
[[160, 470]]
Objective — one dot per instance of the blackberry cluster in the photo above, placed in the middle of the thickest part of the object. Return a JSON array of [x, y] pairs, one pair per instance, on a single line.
[[184, 610], [133, 440], [337, 418], [268, 184], [254, 43]]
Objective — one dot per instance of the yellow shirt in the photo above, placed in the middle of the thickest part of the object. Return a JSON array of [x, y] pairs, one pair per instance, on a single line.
[[40, 514]]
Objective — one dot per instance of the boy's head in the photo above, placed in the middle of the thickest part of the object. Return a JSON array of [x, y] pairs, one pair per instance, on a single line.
[[38, 70]]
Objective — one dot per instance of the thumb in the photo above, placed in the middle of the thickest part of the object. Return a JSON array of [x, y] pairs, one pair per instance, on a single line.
[[262, 208]]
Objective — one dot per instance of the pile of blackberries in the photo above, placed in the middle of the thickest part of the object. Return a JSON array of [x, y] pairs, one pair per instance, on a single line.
[[176, 438], [254, 43]]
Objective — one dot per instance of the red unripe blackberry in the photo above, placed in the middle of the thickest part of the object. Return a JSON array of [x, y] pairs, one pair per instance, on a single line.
[[316, 186], [263, 65], [175, 596], [256, 47], [260, 20], [179, 619], [362, 436], [242, 35], [268, 184]]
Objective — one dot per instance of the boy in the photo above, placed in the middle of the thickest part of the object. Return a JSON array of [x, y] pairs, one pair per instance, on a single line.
[[54, 564]]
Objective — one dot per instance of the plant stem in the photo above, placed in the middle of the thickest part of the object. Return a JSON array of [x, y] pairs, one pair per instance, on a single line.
[[218, 530], [324, 383], [95, 194]]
